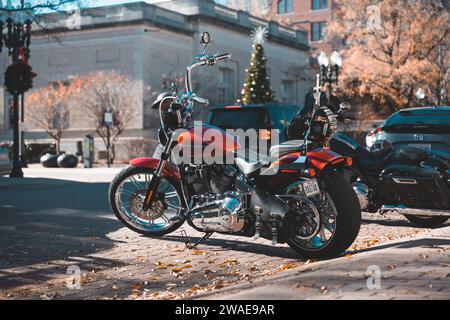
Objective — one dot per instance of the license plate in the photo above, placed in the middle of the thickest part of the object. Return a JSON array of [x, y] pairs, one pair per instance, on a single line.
[[311, 188], [423, 146]]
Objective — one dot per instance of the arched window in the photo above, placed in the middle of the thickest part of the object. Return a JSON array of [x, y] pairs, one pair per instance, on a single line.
[[284, 6]]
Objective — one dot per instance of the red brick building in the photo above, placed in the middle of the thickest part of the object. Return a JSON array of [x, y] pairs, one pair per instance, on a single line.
[[308, 15]]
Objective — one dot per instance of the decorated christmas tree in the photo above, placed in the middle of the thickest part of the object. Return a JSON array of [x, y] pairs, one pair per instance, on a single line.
[[257, 88]]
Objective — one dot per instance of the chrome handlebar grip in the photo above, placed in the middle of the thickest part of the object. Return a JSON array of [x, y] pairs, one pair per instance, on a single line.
[[223, 56], [200, 100]]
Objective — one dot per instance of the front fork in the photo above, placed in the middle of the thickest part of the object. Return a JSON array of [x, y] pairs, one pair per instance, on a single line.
[[157, 176]]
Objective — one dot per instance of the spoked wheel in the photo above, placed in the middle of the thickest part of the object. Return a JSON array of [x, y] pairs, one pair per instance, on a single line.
[[332, 219], [127, 194]]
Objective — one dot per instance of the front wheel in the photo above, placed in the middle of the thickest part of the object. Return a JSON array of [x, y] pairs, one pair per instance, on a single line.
[[338, 221], [427, 222], [126, 197]]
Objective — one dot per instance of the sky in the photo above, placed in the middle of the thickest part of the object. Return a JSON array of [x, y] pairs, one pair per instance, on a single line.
[[95, 3]]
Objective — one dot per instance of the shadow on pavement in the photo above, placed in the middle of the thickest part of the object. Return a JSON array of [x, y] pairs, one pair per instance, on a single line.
[[241, 246], [53, 220], [414, 243]]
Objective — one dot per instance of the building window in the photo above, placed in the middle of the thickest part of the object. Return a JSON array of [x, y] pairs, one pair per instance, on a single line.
[[227, 85], [287, 91], [284, 6], [319, 4], [318, 31]]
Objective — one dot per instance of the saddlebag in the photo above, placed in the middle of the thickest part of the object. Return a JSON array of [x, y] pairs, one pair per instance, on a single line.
[[414, 186]]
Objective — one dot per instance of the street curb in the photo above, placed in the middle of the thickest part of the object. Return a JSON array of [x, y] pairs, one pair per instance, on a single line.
[[291, 274], [9, 183]]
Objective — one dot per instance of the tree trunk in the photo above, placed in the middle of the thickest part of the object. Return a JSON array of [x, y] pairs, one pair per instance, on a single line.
[[58, 146]]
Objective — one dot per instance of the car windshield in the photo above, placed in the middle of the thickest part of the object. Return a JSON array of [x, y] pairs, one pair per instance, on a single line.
[[240, 118], [253, 117]]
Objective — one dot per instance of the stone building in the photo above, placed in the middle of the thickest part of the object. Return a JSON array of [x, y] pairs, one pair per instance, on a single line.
[[147, 41]]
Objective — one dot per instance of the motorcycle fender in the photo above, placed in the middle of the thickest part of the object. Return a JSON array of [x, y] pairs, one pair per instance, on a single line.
[[320, 159], [170, 170]]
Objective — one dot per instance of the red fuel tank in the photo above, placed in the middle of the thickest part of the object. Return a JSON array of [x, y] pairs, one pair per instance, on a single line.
[[208, 140]]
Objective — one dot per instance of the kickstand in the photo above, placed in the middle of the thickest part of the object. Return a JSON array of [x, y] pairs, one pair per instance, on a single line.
[[187, 240]]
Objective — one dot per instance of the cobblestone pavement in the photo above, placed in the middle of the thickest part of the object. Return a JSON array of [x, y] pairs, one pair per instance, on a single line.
[[42, 237], [417, 268]]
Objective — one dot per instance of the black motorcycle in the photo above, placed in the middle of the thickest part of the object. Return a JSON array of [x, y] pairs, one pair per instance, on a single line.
[[407, 180]]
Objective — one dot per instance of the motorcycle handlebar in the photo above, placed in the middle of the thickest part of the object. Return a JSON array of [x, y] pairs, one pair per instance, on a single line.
[[342, 117], [200, 100], [223, 56]]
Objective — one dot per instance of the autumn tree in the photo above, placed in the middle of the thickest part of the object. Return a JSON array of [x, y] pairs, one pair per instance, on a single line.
[[102, 91], [48, 109], [391, 48]]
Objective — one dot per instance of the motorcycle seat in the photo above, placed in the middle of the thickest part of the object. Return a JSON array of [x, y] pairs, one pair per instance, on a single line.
[[409, 155], [373, 160], [278, 151]]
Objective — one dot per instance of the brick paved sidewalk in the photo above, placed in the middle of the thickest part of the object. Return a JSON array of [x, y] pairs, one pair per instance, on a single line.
[[417, 268], [143, 268], [43, 236]]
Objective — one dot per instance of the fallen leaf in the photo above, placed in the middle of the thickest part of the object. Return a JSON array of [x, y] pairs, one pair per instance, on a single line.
[[208, 271], [287, 267], [137, 286], [199, 252], [229, 263]]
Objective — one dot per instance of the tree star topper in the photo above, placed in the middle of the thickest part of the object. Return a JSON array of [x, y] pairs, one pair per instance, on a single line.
[[259, 35]]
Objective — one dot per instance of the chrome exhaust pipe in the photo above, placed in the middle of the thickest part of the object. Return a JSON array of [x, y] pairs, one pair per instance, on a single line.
[[415, 212]]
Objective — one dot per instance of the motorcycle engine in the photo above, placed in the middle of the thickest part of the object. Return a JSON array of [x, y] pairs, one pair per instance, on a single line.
[[223, 213]]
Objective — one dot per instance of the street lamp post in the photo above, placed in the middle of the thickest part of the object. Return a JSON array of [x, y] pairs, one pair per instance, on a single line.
[[108, 122], [330, 70], [18, 76]]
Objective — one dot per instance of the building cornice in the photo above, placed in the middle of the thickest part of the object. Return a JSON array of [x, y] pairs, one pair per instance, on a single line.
[[141, 13]]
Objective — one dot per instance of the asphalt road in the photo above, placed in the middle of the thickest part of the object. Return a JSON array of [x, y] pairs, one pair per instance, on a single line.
[[53, 220]]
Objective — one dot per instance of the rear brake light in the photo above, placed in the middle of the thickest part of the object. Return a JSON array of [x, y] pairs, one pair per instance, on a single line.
[[233, 107], [372, 133], [312, 173], [349, 161], [265, 134]]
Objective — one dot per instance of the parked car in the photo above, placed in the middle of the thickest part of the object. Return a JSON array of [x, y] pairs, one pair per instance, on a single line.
[[425, 128], [268, 116], [5, 163]]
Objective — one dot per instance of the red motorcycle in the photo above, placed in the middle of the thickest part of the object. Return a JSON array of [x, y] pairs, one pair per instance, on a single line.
[[294, 196]]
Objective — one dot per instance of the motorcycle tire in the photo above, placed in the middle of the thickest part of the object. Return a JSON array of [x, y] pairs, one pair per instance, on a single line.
[[427, 222], [348, 218], [122, 176]]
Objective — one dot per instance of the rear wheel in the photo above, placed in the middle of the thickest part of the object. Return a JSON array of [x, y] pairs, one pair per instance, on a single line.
[[338, 223], [427, 222], [126, 197]]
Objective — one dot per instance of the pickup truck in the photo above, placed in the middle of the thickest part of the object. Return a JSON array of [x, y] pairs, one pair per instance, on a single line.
[[268, 116]]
